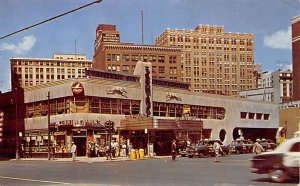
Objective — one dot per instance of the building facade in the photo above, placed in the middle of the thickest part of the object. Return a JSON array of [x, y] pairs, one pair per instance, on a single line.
[[276, 87], [80, 107], [112, 55], [34, 71], [296, 57], [214, 61]]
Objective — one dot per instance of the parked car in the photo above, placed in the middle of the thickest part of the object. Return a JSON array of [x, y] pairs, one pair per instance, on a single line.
[[181, 147], [267, 144], [205, 148], [225, 148], [241, 146], [280, 164], [237, 147]]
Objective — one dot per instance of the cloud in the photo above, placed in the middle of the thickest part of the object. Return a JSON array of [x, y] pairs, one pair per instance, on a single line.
[[282, 39], [21, 48]]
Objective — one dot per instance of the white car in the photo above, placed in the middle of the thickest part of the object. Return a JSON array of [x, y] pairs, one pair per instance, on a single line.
[[280, 164]]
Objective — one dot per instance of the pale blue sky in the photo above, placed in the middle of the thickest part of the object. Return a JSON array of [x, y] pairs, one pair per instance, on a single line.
[[268, 20]]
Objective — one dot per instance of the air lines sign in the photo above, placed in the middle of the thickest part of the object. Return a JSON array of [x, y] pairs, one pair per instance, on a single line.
[[77, 89]]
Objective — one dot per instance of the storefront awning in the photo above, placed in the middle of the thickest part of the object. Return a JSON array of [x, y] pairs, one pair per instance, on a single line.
[[160, 124]]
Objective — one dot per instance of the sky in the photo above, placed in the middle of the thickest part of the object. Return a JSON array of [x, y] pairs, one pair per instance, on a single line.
[[268, 20]]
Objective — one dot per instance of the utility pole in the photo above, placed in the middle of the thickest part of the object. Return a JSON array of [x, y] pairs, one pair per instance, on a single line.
[[17, 126], [49, 140]]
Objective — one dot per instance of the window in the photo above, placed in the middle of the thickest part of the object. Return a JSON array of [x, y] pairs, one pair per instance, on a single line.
[[108, 57], [244, 115], [161, 69], [266, 116], [161, 59]]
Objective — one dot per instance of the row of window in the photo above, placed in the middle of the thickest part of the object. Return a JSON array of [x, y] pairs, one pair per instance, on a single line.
[[53, 63], [119, 106], [135, 58], [211, 40], [48, 70], [257, 116], [128, 68]]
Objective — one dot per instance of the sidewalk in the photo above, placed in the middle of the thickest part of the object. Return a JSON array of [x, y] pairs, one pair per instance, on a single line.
[[85, 159]]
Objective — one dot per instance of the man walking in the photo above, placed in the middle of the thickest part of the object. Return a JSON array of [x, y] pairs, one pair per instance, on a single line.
[[73, 151], [173, 147], [257, 148], [217, 148]]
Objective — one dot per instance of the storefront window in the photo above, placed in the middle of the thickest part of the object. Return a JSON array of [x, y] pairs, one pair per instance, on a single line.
[[125, 107], [135, 107], [95, 105], [105, 106], [115, 106]]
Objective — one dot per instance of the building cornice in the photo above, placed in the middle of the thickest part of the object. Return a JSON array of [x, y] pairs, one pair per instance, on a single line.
[[49, 59]]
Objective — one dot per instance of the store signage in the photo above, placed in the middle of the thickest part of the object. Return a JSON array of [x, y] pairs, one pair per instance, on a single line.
[[78, 123], [77, 88], [136, 116]]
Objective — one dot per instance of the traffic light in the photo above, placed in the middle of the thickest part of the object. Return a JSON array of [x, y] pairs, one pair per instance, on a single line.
[[109, 126]]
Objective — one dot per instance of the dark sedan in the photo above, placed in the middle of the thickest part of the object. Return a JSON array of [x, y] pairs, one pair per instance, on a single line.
[[280, 164], [267, 144]]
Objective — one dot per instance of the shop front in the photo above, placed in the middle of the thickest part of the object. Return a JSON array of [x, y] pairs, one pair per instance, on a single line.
[[159, 132], [62, 134]]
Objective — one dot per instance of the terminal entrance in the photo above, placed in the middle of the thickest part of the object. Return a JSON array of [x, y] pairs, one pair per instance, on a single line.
[[254, 133], [80, 142]]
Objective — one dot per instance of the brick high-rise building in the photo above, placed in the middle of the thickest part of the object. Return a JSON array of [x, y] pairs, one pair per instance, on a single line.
[[296, 57], [214, 61], [113, 55]]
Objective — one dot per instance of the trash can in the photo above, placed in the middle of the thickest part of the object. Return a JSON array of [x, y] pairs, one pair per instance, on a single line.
[[141, 153], [137, 154], [132, 154]]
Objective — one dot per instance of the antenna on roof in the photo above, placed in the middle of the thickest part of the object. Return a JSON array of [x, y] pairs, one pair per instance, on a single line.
[[75, 50], [142, 27], [142, 14]]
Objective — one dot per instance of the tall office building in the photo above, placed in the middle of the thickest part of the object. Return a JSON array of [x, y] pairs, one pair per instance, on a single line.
[[27, 72], [296, 57], [113, 55], [214, 61]]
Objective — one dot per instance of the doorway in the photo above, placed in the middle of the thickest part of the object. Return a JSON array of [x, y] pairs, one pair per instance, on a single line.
[[80, 142]]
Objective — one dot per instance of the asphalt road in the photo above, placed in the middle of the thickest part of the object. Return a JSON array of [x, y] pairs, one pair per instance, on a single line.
[[232, 170]]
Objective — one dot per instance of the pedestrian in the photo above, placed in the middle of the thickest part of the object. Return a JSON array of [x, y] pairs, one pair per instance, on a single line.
[[257, 148], [123, 152], [173, 148], [52, 150], [73, 151], [113, 148], [22, 151], [217, 149], [107, 151], [129, 148]]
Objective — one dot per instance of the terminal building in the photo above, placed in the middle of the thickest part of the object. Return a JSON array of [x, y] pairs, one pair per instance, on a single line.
[[143, 109]]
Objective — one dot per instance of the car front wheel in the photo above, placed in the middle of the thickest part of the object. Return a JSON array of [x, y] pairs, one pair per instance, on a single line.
[[278, 175], [201, 155]]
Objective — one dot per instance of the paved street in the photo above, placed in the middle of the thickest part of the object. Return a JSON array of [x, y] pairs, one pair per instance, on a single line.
[[232, 170]]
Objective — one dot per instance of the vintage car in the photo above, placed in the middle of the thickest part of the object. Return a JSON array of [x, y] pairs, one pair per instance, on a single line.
[[181, 147], [205, 148], [241, 146], [267, 144], [280, 164]]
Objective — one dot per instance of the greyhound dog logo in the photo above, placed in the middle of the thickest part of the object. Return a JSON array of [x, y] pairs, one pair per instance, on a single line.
[[77, 88]]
